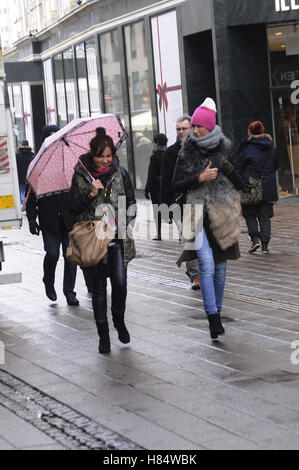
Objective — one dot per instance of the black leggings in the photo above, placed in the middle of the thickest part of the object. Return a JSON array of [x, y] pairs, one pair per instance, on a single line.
[[116, 270]]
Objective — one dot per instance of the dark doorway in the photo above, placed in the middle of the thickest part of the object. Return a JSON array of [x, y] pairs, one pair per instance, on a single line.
[[200, 74], [38, 113]]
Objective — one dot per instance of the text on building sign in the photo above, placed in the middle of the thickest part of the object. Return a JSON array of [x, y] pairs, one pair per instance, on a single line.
[[286, 5]]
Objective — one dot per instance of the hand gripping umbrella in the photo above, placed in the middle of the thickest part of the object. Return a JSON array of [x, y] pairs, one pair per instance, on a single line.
[[52, 169]]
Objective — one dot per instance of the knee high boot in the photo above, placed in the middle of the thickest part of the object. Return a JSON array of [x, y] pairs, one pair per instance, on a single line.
[[119, 324], [104, 343]]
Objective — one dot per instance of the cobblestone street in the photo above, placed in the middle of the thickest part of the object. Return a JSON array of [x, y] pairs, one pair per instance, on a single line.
[[171, 387]]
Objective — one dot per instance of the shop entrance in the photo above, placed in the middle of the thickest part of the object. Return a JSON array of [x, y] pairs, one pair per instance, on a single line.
[[284, 61]]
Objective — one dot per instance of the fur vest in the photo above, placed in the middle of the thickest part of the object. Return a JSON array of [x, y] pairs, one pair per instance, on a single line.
[[220, 199]]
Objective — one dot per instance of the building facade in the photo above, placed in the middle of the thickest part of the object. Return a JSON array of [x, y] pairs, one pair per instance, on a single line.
[[152, 61]]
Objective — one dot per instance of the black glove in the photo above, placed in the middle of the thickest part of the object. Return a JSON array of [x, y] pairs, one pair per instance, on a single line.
[[227, 167], [34, 227], [146, 193]]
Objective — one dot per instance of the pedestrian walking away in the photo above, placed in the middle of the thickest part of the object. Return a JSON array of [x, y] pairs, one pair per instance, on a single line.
[[258, 158], [55, 222], [23, 157], [88, 199], [167, 195], [152, 187], [205, 173]]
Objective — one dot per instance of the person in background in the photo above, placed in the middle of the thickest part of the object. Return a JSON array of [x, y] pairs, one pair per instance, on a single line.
[[23, 157], [152, 188], [257, 155], [88, 197], [204, 171], [167, 195], [55, 222]]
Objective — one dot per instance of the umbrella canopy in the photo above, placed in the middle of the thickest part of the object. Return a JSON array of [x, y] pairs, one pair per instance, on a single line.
[[52, 169]]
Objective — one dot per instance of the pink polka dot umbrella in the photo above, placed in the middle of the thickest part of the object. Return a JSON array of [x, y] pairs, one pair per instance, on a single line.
[[52, 169]]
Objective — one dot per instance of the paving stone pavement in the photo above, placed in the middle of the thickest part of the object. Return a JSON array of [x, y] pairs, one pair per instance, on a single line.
[[171, 387]]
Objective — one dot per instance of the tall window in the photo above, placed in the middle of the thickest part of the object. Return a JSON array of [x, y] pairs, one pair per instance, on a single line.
[[60, 91], [82, 80], [284, 58], [50, 92], [93, 81], [18, 108], [140, 103], [69, 73], [112, 85]]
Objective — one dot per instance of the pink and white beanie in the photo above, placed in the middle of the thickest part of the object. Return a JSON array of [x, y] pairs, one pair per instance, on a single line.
[[205, 115]]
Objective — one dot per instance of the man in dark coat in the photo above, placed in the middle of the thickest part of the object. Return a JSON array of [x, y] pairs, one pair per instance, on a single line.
[[54, 221], [258, 157], [23, 157], [152, 187], [167, 195]]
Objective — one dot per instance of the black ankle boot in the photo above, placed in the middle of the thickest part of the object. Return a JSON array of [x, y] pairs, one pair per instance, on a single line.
[[213, 325], [50, 292], [104, 343], [219, 326], [265, 249], [123, 334]]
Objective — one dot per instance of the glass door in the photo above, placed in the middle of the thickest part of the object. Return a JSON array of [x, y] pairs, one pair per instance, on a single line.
[[284, 61]]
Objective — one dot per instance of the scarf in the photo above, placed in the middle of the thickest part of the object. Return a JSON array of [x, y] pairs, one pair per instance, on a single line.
[[210, 141], [98, 172]]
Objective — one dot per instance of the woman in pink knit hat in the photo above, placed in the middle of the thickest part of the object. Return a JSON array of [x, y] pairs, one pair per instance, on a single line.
[[204, 171]]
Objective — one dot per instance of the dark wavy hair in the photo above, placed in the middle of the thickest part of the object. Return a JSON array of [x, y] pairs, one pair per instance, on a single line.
[[100, 142], [256, 128]]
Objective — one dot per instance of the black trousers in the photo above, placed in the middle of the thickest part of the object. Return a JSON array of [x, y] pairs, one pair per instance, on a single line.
[[258, 220], [116, 270], [52, 244]]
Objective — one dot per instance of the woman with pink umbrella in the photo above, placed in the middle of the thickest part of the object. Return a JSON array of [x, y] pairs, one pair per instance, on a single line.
[[99, 181]]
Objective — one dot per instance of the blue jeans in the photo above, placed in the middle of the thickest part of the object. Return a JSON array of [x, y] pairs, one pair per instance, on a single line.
[[22, 192], [212, 278]]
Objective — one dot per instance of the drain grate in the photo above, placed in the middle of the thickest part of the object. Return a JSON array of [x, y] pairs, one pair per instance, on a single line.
[[63, 424]]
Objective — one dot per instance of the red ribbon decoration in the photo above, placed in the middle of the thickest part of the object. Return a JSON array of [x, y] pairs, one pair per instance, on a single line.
[[162, 92], [26, 116]]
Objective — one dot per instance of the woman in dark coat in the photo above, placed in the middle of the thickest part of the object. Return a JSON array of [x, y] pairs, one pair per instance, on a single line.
[[153, 183], [99, 181], [201, 168], [256, 153]]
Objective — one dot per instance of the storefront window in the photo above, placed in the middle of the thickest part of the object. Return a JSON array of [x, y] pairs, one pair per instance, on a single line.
[[112, 85], [82, 80], [140, 103], [69, 73], [49, 92], [284, 57], [93, 82], [19, 124], [60, 91]]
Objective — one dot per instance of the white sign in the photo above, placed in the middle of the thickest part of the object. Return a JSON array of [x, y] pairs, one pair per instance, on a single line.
[[286, 5], [167, 73], [295, 94]]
